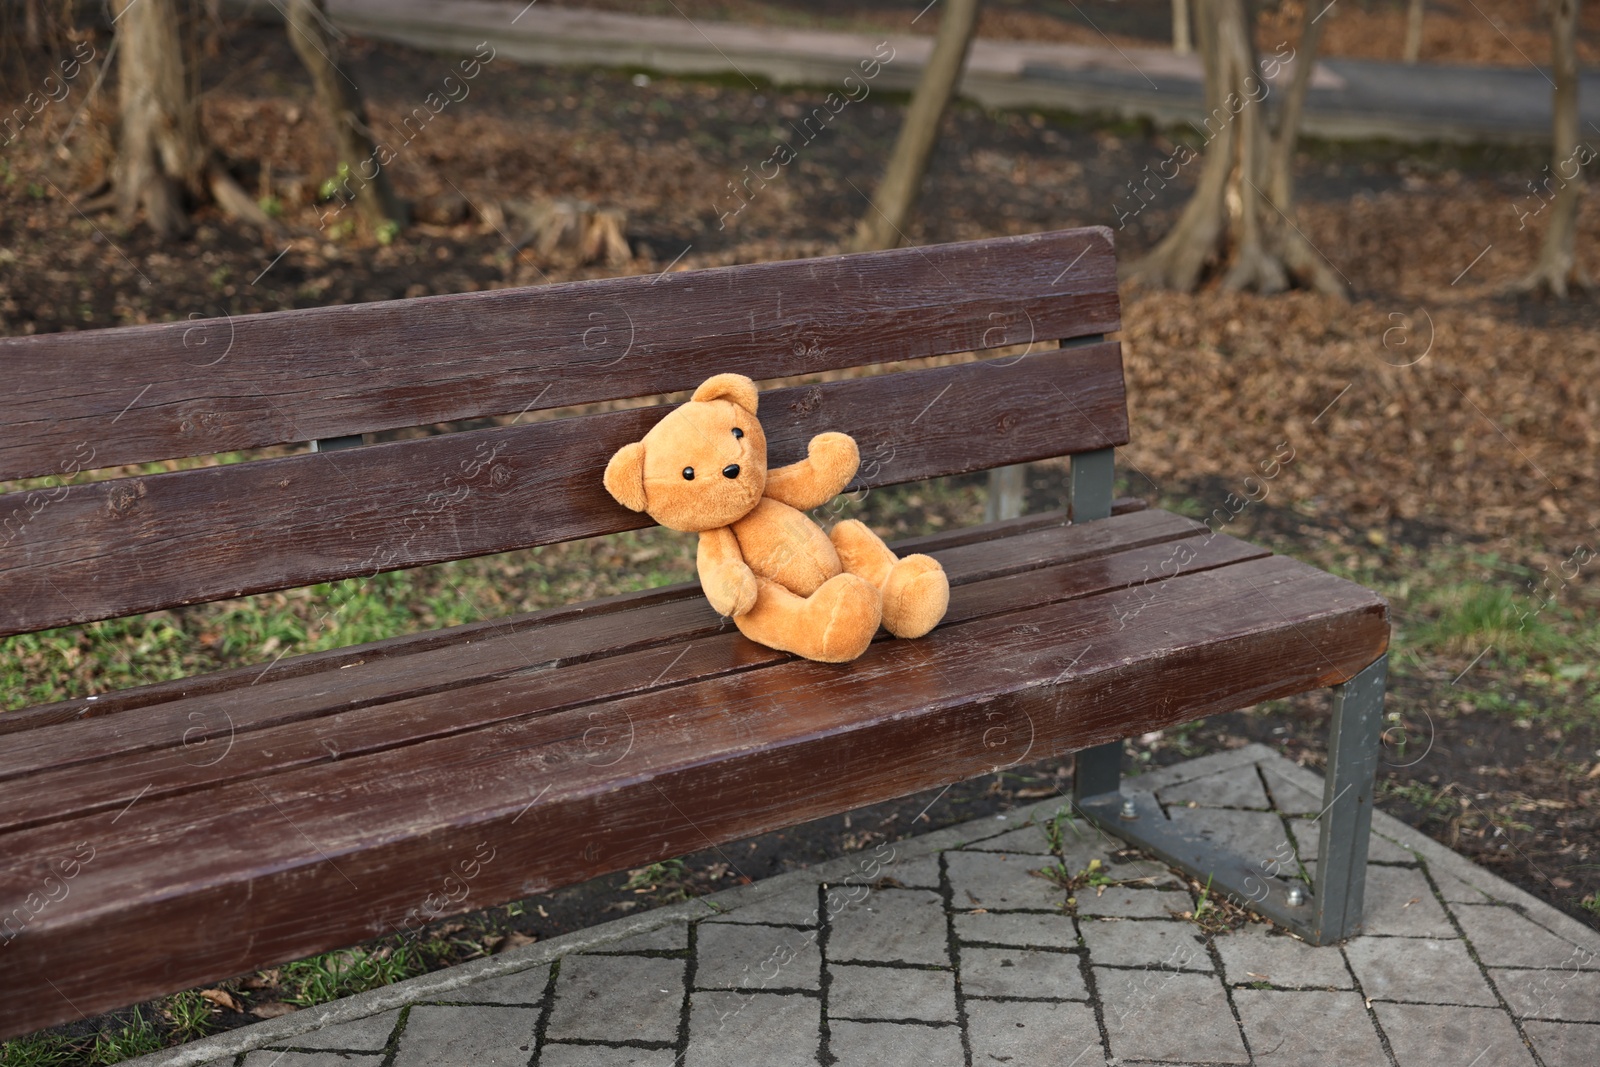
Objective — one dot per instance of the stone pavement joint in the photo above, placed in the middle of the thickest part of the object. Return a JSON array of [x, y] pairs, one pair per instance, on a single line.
[[945, 950]]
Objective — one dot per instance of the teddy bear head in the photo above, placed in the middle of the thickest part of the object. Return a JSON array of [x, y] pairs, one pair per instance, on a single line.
[[701, 467]]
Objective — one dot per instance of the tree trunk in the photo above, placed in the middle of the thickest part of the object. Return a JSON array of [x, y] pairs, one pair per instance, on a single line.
[[1413, 45], [161, 155], [1181, 42], [1240, 216], [33, 32], [367, 181], [884, 224], [1556, 266]]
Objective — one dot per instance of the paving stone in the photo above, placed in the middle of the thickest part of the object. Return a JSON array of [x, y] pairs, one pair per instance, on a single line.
[[856, 1044], [1254, 953], [367, 1035], [671, 938], [999, 881], [905, 925], [1288, 796], [891, 993], [1560, 993], [922, 872], [797, 907], [1308, 839], [438, 1035], [1238, 788], [1132, 902], [1420, 970], [743, 956], [1309, 1028], [601, 1056], [270, 1058], [1457, 891], [617, 998], [1504, 938], [1398, 901], [1023, 839], [1425, 1035], [1564, 1044], [1034, 1034], [1018, 928], [1138, 943], [520, 987], [1153, 1014], [1021, 972], [739, 1029]]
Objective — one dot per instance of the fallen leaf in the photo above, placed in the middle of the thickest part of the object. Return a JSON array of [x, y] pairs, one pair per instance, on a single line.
[[221, 998], [1253, 974], [272, 1009], [516, 939], [1035, 792], [1410, 902]]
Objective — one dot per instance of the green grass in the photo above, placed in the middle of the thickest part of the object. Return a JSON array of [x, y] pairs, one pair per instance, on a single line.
[[135, 1037], [344, 973]]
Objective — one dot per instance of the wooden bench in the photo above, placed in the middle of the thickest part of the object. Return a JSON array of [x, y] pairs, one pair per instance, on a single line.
[[182, 832]]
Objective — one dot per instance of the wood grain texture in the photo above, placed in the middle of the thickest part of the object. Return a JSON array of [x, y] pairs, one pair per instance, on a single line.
[[72, 786], [137, 544], [198, 387], [178, 893], [254, 698]]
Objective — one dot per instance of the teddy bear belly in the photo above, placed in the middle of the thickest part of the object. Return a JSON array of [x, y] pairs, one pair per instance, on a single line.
[[784, 545]]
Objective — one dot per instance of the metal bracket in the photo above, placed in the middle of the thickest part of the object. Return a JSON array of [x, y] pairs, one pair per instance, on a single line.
[[1326, 912]]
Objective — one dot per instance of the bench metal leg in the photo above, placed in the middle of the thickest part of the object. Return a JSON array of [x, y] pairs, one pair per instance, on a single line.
[[1267, 883]]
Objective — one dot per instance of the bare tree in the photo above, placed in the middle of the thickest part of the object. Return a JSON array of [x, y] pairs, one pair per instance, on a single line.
[[341, 100], [1413, 45], [884, 224], [1240, 217], [161, 155], [1556, 266]]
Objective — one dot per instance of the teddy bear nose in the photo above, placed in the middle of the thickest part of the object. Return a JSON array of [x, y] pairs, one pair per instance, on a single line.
[[731, 471]]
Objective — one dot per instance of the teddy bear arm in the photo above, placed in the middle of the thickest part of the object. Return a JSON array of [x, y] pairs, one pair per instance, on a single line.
[[830, 463], [727, 580]]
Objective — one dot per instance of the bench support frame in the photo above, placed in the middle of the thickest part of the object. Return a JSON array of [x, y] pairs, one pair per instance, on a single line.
[[1329, 910]]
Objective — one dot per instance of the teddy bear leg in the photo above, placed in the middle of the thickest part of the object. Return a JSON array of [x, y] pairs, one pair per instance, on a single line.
[[915, 590], [834, 624]]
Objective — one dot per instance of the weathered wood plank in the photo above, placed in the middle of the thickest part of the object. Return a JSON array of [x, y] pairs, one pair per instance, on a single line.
[[78, 788], [138, 544], [109, 397], [174, 895], [483, 651]]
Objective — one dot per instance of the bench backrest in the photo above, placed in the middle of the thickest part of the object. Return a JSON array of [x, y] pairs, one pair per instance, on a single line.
[[84, 550]]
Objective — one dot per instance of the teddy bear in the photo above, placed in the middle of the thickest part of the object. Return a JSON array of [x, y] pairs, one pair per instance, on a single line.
[[762, 560]]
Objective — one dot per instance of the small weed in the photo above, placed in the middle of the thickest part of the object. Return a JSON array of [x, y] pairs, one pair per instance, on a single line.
[[664, 881], [1591, 904], [332, 975], [1053, 827], [37, 1051], [190, 1015], [137, 1038]]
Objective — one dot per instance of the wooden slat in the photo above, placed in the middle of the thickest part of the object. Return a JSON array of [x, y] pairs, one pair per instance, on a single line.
[[177, 894], [79, 788], [138, 544], [481, 652], [188, 388]]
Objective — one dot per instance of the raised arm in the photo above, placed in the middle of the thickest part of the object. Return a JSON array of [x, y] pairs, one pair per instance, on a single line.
[[726, 578], [830, 463]]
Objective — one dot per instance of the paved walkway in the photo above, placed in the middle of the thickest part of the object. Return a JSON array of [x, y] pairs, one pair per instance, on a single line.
[[942, 950], [1349, 98]]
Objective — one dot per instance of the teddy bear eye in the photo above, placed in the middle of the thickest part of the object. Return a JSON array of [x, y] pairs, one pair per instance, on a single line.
[[688, 474], [737, 433]]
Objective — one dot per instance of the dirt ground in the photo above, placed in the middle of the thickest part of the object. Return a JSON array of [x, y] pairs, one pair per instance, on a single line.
[[1444, 434]]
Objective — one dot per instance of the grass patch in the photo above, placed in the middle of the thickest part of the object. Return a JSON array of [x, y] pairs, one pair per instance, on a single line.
[[319, 979], [135, 1037]]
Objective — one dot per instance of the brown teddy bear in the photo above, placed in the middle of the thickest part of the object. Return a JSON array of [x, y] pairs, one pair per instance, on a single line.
[[762, 559]]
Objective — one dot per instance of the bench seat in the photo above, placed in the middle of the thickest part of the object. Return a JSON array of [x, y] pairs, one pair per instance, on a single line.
[[251, 816]]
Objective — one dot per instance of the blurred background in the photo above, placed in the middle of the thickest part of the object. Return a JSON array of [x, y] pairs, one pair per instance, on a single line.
[[1353, 233]]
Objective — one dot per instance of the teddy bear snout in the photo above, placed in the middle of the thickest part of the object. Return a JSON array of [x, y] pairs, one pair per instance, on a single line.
[[731, 471]]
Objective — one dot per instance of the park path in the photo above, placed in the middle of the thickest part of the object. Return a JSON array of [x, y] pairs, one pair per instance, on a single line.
[[944, 951], [1349, 98]]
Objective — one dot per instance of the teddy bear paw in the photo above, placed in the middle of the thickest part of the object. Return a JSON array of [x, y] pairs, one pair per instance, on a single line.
[[915, 596]]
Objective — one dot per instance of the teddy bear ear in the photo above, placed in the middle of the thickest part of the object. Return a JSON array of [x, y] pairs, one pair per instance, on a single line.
[[734, 387], [625, 476]]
